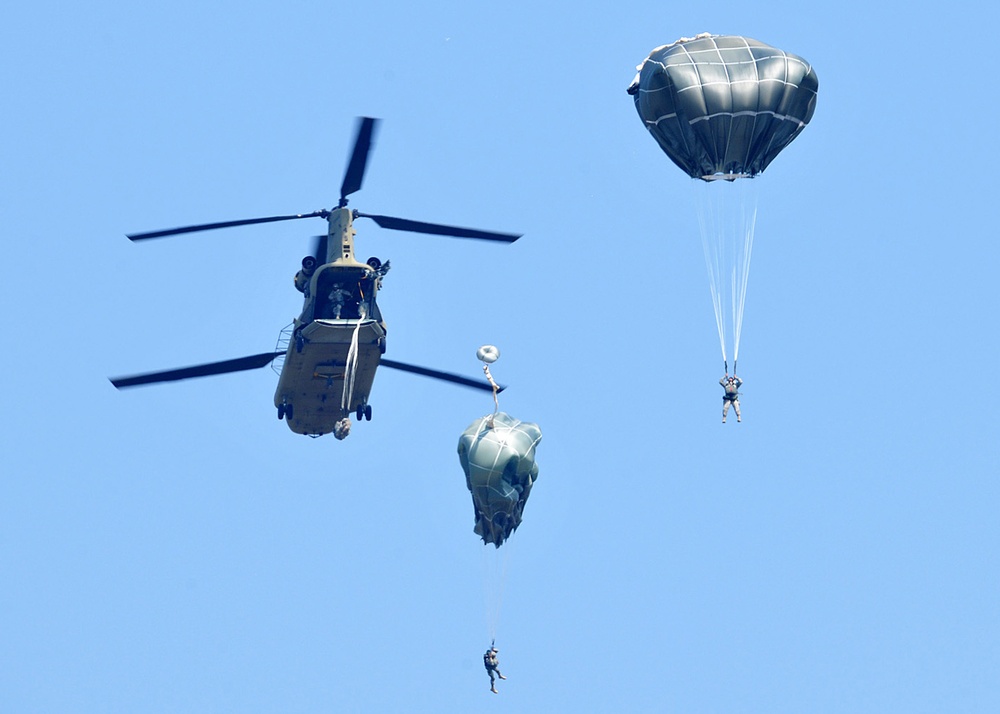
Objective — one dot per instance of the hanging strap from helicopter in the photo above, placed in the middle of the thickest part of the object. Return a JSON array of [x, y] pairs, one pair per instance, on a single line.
[[351, 365]]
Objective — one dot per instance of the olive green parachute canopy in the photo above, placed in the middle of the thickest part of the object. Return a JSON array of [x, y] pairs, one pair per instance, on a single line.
[[723, 104], [498, 456]]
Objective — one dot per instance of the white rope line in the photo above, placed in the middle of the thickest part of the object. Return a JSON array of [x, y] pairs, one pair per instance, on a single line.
[[711, 247], [351, 365], [496, 390], [749, 230], [727, 223]]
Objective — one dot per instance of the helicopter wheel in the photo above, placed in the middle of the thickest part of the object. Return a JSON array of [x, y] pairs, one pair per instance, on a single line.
[[281, 412], [360, 414], [381, 345], [299, 343], [368, 412], [288, 411]]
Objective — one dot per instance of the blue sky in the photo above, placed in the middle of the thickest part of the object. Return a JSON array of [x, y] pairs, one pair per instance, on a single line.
[[179, 549]]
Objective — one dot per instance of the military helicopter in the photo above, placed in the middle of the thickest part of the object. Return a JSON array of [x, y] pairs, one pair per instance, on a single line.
[[329, 354]]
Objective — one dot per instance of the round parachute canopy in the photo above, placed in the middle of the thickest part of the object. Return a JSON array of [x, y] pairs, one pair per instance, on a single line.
[[497, 453], [723, 104]]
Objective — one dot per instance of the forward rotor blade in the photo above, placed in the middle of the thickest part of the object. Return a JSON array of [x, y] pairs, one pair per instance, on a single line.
[[444, 376], [240, 364], [359, 158], [223, 224], [404, 224]]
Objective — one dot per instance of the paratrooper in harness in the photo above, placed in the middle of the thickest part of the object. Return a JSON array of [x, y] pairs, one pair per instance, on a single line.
[[732, 396]]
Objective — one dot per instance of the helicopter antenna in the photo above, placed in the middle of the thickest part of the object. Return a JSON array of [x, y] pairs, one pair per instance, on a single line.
[[488, 354]]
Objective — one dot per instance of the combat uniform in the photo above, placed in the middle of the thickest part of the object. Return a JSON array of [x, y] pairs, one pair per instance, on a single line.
[[732, 396], [492, 665]]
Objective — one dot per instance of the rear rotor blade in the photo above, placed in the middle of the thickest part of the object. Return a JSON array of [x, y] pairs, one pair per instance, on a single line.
[[444, 376], [240, 364], [223, 224], [359, 159], [320, 249], [404, 224]]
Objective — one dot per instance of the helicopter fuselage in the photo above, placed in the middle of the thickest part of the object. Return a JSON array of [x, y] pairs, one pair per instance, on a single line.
[[322, 381], [337, 341], [328, 356]]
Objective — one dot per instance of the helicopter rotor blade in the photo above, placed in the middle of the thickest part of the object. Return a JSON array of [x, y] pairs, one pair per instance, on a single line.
[[355, 173], [435, 374], [319, 248], [223, 224], [240, 364], [404, 224]]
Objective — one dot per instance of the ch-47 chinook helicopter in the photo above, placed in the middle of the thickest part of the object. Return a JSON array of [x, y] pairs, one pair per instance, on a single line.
[[336, 344]]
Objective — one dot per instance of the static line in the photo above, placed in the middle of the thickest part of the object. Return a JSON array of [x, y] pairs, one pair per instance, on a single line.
[[351, 364]]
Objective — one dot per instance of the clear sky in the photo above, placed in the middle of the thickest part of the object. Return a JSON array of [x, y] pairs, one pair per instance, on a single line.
[[177, 548]]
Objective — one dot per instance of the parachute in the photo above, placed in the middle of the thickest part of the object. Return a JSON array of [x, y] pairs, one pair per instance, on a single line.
[[723, 105], [497, 453]]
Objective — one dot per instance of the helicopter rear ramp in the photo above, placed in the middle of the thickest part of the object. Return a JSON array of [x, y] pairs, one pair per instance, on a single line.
[[321, 380]]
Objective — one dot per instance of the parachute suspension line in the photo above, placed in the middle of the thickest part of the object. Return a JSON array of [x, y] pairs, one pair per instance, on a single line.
[[732, 300], [707, 223], [727, 216], [495, 564], [749, 226]]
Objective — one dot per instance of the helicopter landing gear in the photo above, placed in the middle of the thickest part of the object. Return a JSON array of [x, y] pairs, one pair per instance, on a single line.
[[300, 342], [381, 345], [285, 411], [364, 412]]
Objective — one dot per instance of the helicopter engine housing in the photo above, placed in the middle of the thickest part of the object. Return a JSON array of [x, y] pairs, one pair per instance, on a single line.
[[302, 277]]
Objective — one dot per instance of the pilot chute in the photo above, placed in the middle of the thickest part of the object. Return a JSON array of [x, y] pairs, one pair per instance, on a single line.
[[723, 107], [497, 453]]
